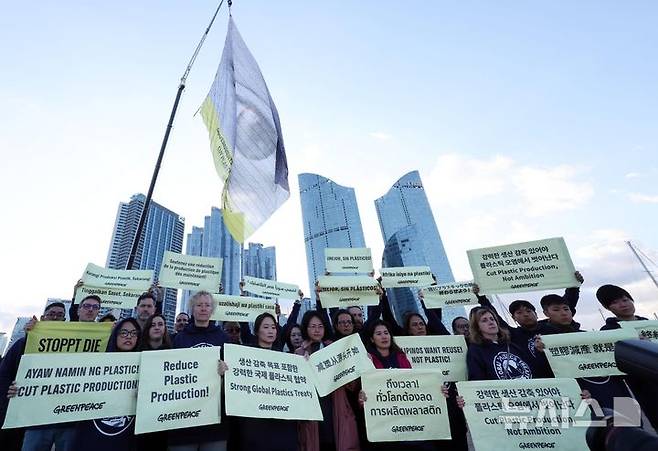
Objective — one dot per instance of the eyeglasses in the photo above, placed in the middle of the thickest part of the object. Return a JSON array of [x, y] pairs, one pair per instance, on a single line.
[[345, 322], [52, 315], [125, 333], [90, 306]]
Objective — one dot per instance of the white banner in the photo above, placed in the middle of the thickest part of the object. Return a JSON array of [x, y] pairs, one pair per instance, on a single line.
[[270, 288], [357, 260], [406, 276]]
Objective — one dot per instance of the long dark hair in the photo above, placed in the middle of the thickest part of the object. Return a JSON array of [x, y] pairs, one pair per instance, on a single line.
[[407, 321], [334, 321], [306, 319], [288, 334], [112, 343], [259, 320], [145, 341], [370, 332]]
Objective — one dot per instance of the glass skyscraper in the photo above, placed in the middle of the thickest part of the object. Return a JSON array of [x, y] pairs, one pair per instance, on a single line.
[[331, 219], [259, 261], [214, 240], [163, 231], [412, 238]]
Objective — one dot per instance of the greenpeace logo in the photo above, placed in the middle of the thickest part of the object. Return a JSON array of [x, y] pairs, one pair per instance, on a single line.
[[82, 407]]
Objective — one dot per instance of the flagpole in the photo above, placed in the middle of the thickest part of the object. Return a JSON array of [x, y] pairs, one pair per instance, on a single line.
[[163, 146]]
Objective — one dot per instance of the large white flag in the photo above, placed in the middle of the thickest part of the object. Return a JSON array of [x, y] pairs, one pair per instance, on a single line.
[[246, 140]]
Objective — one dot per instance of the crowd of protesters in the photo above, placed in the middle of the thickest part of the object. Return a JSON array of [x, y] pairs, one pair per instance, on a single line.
[[489, 338]]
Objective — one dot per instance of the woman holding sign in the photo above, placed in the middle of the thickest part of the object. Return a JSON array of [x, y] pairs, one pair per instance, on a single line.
[[338, 430], [116, 432], [264, 434]]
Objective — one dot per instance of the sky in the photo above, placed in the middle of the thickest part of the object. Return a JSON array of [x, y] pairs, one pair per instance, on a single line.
[[526, 120]]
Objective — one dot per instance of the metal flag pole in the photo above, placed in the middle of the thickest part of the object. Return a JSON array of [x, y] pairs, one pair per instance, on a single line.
[[170, 124]]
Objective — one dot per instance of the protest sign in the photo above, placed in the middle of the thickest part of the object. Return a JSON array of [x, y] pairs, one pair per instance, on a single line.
[[585, 354], [71, 387], [535, 265], [189, 272], [269, 384], [178, 388], [345, 291], [406, 276], [647, 329], [110, 297], [124, 279], [456, 294], [443, 353], [241, 308], [270, 288], [525, 414], [339, 363], [61, 336], [348, 260], [404, 405]]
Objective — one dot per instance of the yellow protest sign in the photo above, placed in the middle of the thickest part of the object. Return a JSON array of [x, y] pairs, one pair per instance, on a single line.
[[339, 363], [647, 329], [345, 291], [525, 414], [270, 288], [60, 336], [585, 354], [404, 405], [348, 259], [449, 295], [178, 388], [241, 308], [110, 297], [132, 280], [269, 384], [406, 276], [520, 267], [443, 353], [73, 387], [188, 272]]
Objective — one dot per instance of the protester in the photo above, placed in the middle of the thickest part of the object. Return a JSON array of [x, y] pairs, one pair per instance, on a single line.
[[145, 308], [294, 338], [200, 333], [459, 326], [88, 309], [343, 323], [338, 430], [113, 433], [491, 355], [413, 323], [232, 331], [182, 319], [264, 434], [155, 335], [36, 437]]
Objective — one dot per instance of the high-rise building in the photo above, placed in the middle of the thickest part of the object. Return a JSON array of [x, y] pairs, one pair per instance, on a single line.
[[331, 219], [412, 238], [259, 261], [163, 231], [214, 240]]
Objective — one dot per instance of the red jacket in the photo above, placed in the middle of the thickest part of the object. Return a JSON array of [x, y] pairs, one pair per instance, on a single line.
[[401, 357]]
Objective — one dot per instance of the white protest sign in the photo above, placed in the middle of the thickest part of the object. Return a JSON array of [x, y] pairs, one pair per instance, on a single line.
[[131, 280], [406, 276], [110, 297], [358, 260], [190, 272], [646, 329], [270, 288], [346, 291], [443, 353], [454, 294], [241, 308]]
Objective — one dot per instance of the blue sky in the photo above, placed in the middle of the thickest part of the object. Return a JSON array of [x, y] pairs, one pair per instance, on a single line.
[[526, 121]]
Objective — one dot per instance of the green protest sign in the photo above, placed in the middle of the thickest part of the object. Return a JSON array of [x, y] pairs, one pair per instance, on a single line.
[[526, 414], [60, 336], [190, 272], [178, 388], [406, 276], [241, 308], [269, 384], [270, 288], [59, 388], [445, 354], [124, 279], [455, 294], [585, 354], [404, 405], [346, 291], [646, 329], [521, 267], [339, 363], [357, 260]]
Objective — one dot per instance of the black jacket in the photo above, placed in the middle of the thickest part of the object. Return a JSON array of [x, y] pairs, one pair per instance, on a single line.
[[492, 361]]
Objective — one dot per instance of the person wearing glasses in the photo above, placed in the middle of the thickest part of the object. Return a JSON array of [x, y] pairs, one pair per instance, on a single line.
[[36, 438], [343, 324], [89, 308], [113, 433]]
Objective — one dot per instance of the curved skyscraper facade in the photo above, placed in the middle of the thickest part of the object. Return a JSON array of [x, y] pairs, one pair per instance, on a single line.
[[411, 238], [331, 219]]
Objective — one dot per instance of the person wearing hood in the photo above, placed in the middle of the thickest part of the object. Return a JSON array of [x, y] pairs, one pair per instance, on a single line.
[[200, 332], [560, 321], [621, 304], [113, 433]]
